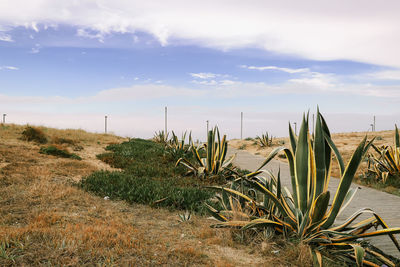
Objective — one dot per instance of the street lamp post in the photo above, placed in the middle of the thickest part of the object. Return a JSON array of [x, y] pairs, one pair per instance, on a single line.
[[105, 124], [4, 118], [241, 125], [166, 119]]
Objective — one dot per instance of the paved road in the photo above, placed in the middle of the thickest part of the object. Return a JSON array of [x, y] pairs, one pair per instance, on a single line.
[[385, 205]]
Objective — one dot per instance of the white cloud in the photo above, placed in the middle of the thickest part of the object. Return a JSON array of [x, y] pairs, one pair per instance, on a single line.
[[365, 31], [5, 37], [384, 75], [288, 70], [35, 49], [203, 75], [86, 34], [8, 68], [206, 82]]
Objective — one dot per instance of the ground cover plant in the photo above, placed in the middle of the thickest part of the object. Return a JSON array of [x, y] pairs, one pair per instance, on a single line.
[[253, 202], [148, 176], [59, 152]]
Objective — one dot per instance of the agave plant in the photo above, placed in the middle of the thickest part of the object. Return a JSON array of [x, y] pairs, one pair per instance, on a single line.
[[265, 140], [178, 148], [215, 162], [305, 213], [388, 162], [160, 137]]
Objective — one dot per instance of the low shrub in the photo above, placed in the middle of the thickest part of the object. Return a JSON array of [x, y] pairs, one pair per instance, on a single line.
[[55, 151], [34, 134]]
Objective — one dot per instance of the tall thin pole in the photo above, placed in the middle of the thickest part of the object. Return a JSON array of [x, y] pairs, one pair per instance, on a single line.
[[207, 126], [105, 124], [295, 128], [241, 125], [166, 120], [374, 124], [4, 118]]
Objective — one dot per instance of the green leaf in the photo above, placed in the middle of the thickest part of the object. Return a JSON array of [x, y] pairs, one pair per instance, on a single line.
[[345, 183], [301, 166]]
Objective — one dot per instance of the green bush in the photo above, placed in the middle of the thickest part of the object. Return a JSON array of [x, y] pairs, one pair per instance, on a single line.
[[125, 186], [34, 134], [52, 150]]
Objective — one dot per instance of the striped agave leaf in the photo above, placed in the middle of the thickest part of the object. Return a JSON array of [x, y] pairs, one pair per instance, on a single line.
[[215, 163], [305, 213]]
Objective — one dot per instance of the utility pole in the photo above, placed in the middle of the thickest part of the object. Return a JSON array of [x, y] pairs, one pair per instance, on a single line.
[[4, 118], [207, 126], [374, 124], [166, 120], [241, 125], [295, 128], [105, 124]]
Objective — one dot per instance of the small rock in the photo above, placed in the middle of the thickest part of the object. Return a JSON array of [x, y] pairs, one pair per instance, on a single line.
[[106, 198]]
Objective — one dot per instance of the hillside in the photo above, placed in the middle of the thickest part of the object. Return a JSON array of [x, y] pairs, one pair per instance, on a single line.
[[46, 219]]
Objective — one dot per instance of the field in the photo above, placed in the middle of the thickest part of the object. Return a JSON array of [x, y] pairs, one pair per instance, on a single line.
[[47, 218], [345, 142]]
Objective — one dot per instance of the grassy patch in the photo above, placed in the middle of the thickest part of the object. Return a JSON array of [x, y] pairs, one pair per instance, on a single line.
[[149, 176], [144, 190], [53, 150]]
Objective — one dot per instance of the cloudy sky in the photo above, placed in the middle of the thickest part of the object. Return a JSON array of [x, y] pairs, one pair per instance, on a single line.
[[68, 64]]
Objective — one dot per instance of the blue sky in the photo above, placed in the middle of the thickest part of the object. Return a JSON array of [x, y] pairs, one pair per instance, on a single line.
[[68, 65]]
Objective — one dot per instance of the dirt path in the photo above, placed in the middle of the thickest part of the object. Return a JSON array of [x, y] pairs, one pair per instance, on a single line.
[[385, 205]]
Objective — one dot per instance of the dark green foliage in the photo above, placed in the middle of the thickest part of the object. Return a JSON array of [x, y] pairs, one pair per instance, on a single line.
[[34, 134], [121, 185], [149, 175], [52, 150]]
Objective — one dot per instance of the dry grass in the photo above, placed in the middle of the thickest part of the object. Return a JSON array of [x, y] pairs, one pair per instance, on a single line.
[[46, 220], [346, 143]]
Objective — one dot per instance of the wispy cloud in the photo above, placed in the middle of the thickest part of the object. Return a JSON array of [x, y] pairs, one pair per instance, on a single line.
[[89, 34], [35, 49], [5, 37], [288, 70], [384, 75], [204, 75], [8, 68]]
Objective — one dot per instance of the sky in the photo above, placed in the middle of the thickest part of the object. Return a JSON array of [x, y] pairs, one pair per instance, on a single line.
[[68, 64]]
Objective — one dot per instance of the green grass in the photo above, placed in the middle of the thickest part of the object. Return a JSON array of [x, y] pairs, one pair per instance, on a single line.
[[52, 150], [148, 175]]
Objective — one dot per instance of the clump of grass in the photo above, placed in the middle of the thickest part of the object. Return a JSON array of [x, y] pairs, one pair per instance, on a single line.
[[34, 134], [61, 140], [55, 151]]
